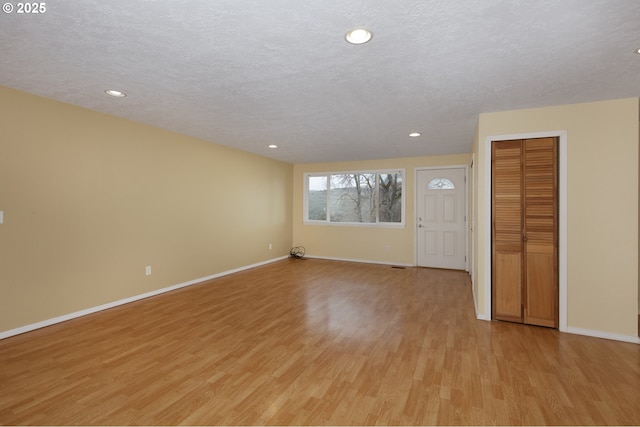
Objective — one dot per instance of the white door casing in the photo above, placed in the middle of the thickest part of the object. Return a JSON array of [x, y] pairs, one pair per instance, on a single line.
[[441, 218]]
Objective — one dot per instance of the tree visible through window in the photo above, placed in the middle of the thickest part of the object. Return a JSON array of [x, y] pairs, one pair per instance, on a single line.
[[352, 198], [355, 197], [390, 197]]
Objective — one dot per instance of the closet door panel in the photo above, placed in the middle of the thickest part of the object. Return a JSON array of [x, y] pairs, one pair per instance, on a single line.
[[507, 300], [540, 307], [507, 231], [540, 232], [524, 231]]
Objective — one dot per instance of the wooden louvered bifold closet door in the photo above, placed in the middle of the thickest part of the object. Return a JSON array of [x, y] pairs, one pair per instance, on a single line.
[[524, 231]]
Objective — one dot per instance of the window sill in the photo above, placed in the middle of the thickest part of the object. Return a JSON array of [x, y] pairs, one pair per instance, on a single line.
[[355, 224]]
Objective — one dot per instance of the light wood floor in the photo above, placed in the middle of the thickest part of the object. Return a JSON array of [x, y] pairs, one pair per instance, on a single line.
[[314, 342]]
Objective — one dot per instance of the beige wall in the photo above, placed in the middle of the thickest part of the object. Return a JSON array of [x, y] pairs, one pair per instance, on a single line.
[[602, 206], [89, 200], [370, 244]]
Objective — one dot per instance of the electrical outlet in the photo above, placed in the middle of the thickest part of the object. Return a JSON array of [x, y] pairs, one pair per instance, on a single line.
[[147, 270], [270, 246]]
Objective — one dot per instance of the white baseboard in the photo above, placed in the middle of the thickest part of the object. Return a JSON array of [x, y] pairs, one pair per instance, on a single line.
[[64, 318], [584, 332], [360, 260], [601, 334]]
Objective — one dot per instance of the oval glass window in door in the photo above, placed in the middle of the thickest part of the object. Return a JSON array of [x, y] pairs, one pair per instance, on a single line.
[[440, 184]]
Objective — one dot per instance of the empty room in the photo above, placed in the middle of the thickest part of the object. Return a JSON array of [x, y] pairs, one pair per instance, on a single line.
[[328, 213]]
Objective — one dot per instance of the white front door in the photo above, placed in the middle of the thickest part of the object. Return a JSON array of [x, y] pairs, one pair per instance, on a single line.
[[441, 218]]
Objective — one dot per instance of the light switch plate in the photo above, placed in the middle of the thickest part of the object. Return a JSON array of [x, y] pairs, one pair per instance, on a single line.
[[1, 217]]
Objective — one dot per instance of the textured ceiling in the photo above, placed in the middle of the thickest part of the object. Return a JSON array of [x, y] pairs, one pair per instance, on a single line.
[[249, 73]]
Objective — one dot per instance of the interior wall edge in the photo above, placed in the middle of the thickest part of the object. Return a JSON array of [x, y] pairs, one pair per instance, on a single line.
[[479, 316]]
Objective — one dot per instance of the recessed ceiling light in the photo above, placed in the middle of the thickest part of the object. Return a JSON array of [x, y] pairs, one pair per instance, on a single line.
[[358, 36], [273, 146], [116, 93], [415, 134], [638, 50]]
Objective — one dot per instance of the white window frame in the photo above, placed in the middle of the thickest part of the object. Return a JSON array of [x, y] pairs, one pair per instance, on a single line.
[[327, 221]]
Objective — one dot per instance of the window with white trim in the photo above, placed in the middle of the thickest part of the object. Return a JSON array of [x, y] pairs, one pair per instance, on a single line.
[[356, 198]]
